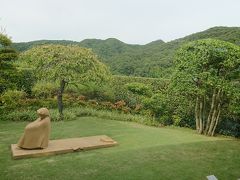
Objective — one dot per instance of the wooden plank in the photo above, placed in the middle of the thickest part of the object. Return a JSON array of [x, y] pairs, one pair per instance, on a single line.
[[61, 146]]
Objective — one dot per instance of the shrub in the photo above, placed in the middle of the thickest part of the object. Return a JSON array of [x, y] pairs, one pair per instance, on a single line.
[[69, 114], [19, 116], [71, 89], [14, 78], [11, 98], [31, 115], [158, 104], [25, 80], [139, 88], [115, 115], [127, 88], [229, 127], [155, 84], [165, 120], [48, 102], [44, 89], [176, 120], [8, 76], [94, 91]]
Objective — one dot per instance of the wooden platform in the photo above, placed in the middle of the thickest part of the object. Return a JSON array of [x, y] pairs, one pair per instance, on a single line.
[[64, 146]]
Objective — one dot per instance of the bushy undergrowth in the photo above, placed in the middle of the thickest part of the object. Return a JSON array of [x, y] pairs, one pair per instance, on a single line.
[[21, 115], [74, 113], [44, 90], [12, 98], [115, 115], [31, 115]]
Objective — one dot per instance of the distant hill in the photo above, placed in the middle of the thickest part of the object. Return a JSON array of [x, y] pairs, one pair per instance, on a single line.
[[108, 48], [151, 60], [23, 46]]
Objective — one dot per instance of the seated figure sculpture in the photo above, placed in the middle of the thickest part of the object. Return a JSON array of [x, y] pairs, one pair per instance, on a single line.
[[36, 134]]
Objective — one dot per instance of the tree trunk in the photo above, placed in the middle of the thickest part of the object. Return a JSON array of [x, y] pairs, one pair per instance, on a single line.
[[203, 125], [210, 112], [218, 115], [215, 115], [204, 113], [213, 119], [196, 114], [200, 117], [59, 98]]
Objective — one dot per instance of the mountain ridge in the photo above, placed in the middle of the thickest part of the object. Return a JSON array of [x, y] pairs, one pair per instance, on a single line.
[[153, 59]]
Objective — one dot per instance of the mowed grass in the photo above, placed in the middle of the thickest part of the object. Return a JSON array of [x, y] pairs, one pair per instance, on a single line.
[[143, 153]]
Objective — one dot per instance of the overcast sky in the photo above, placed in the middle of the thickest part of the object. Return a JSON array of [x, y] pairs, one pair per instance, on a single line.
[[131, 21]]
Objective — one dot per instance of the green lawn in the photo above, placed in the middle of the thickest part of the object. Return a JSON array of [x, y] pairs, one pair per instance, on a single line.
[[143, 153]]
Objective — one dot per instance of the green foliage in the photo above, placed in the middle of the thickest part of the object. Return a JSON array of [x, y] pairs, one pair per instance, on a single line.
[[115, 115], [70, 63], [24, 46], [139, 88], [24, 80], [100, 92], [229, 127], [206, 73], [229, 34], [165, 120], [158, 104], [23, 115], [43, 89], [4, 40], [65, 65], [74, 112], [31, 115], [206, 63], [8, 76], [133, 94], [15, 78], [176, 120], [69, 115], [6, 52], [7, 70], [121, 91], [133, 100], [12, 98]]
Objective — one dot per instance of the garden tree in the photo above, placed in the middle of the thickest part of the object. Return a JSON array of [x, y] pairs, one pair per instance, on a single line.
[[7, 70], [67, 65], [208, 71]]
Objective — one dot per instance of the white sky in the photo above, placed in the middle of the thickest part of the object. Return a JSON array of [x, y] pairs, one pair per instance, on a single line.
[[131, 21]]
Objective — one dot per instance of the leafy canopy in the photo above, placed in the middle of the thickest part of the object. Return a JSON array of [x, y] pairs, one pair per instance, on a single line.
[[206, 64], [72, 64]]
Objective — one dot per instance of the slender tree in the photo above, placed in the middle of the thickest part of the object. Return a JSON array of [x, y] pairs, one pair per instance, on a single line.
[[64, 65], [207, 71]]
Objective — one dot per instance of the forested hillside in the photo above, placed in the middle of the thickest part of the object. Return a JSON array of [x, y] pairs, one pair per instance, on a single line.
[[150, 60]]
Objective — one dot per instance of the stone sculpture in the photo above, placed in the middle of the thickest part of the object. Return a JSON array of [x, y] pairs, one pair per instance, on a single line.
[[36, 134]]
